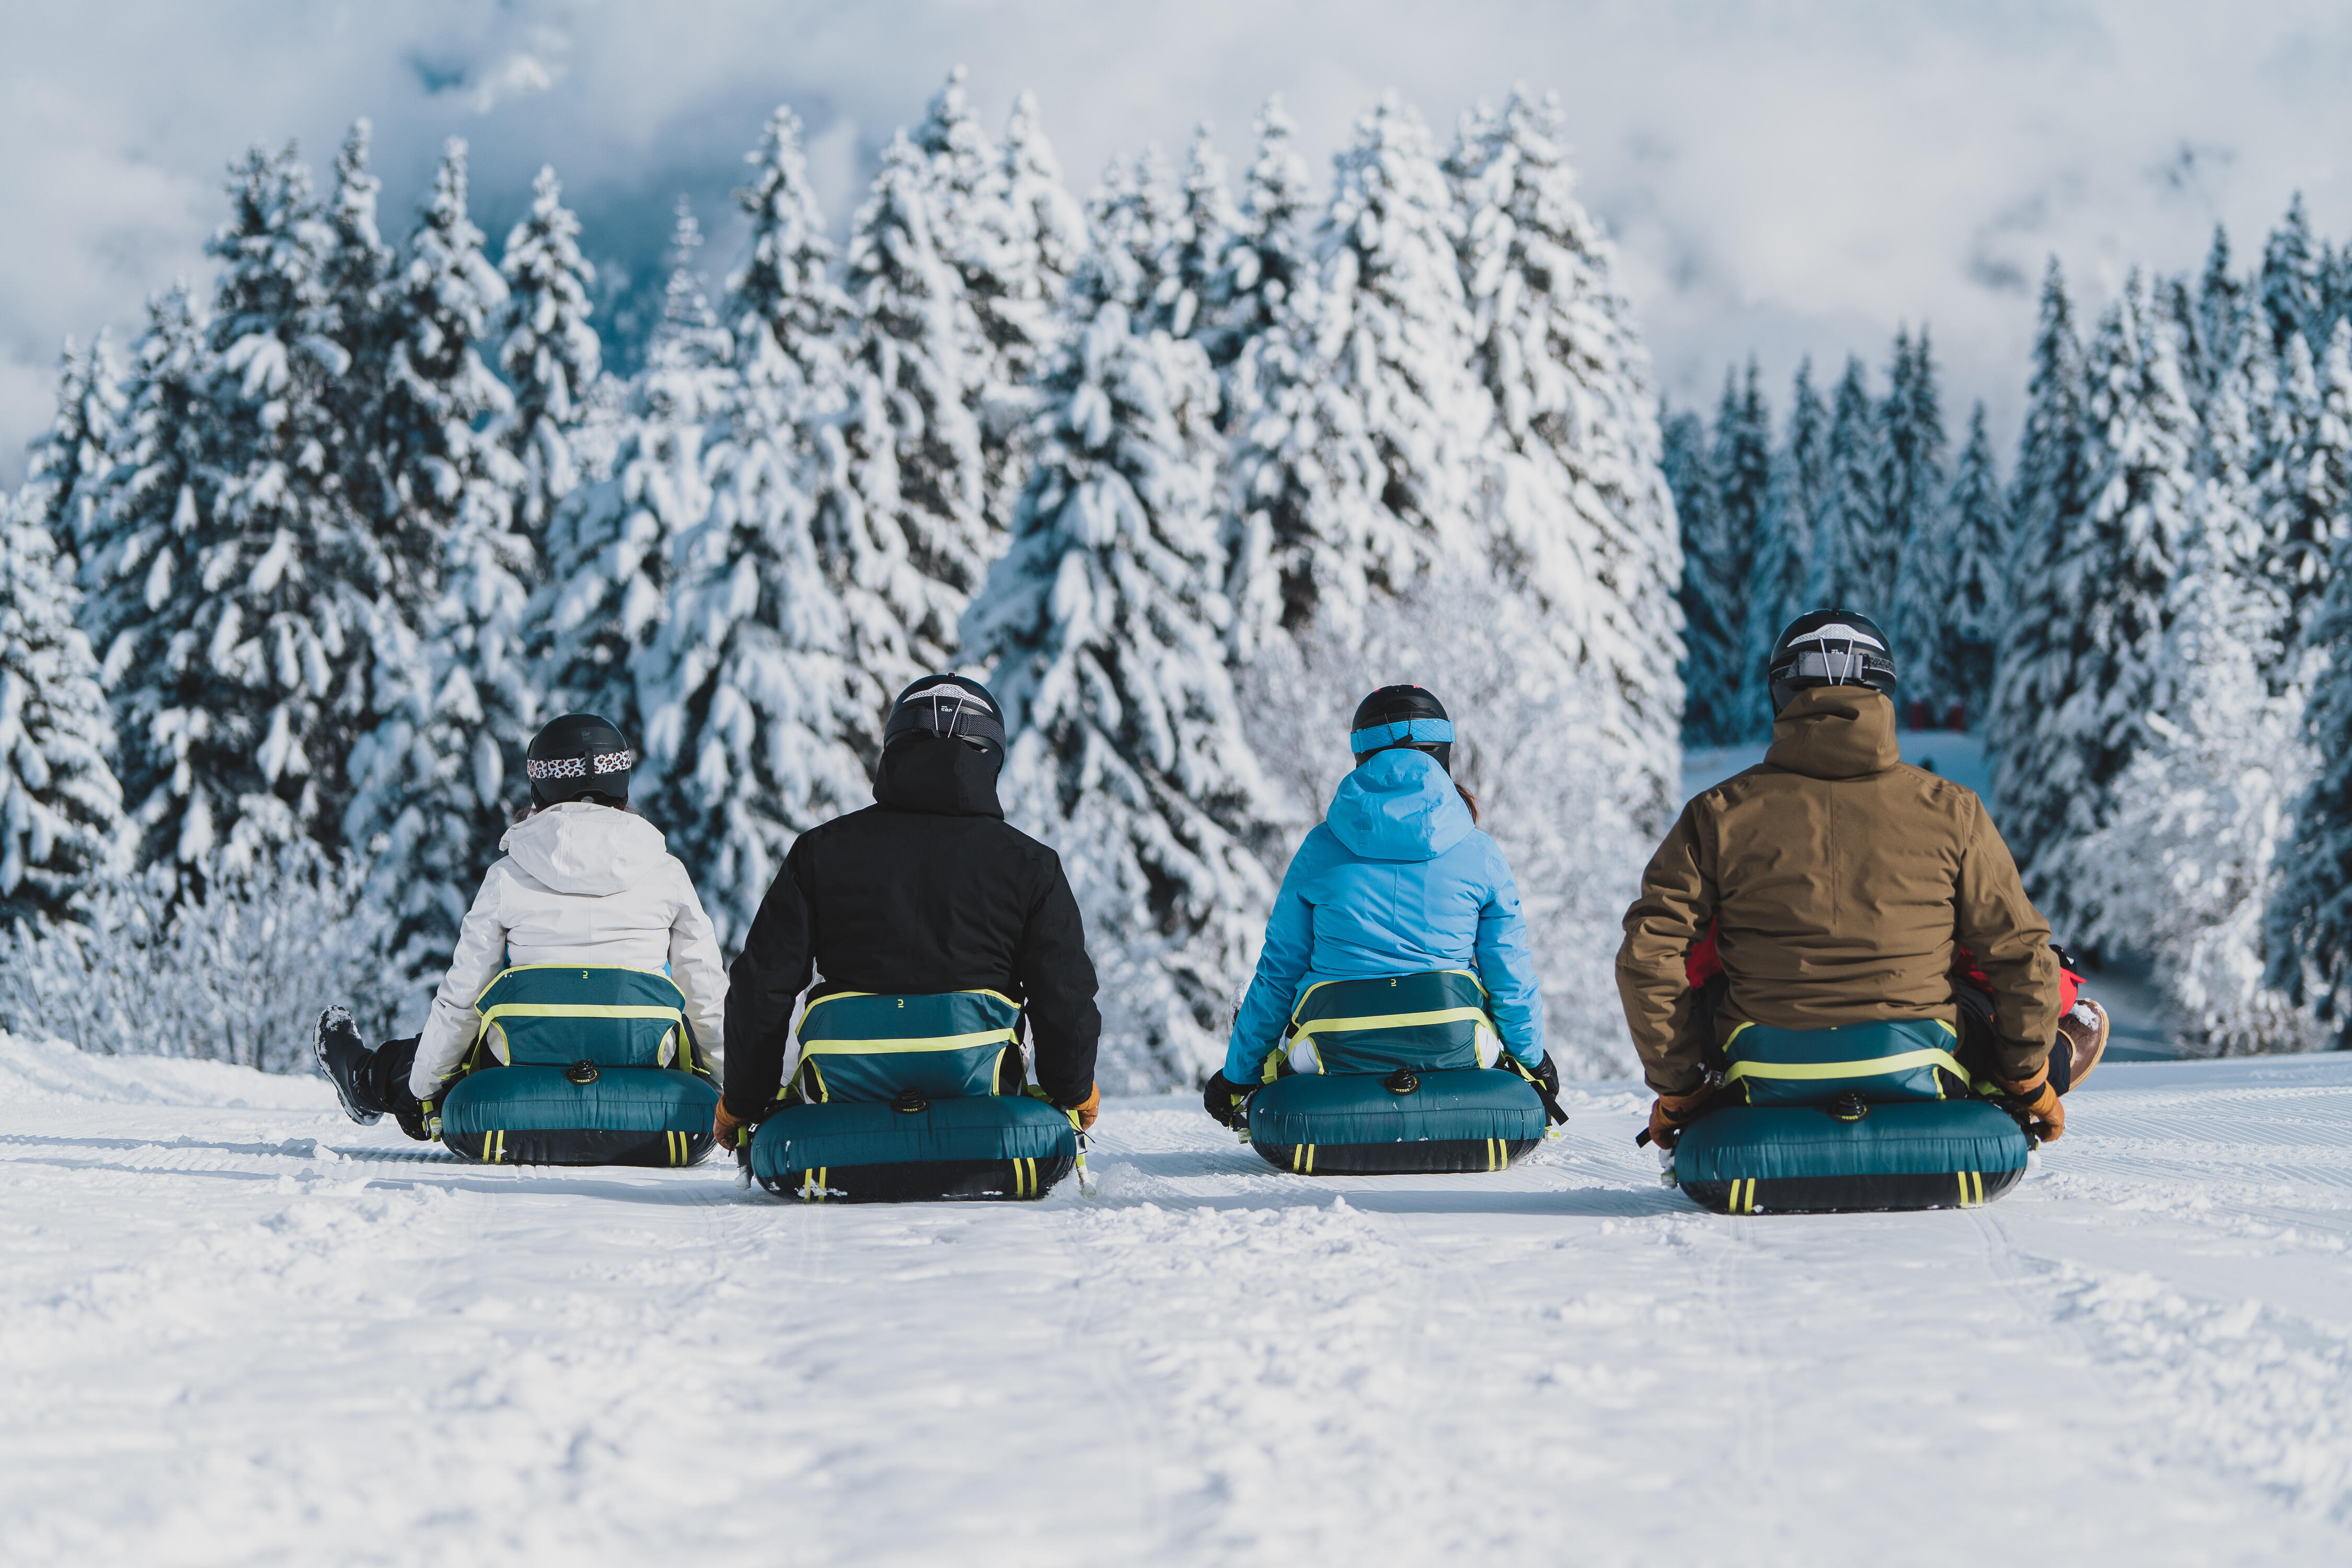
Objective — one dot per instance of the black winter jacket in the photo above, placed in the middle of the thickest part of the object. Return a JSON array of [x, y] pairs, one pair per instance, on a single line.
[[927, 891]]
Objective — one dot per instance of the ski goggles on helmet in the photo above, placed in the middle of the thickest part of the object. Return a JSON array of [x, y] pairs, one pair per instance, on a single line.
[[1401, 732], [948, 710]]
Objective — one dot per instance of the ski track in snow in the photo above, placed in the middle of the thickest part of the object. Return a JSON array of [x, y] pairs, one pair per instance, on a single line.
[[237, 1330]]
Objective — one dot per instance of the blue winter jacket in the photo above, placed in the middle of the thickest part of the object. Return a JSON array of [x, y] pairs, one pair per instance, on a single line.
[[1396, 879]]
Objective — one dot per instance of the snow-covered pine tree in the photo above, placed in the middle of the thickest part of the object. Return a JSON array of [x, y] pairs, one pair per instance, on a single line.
[[128, 557], [1853, 510], [1782, 582], [1362, 439], [548, 350], [1267, 260], [244, 678], [2119, 563], [900, 478], [1579, 520], [1195, 272], [1743, 514], [2190, 864], [2034, 672], [436, 779], [1714, 618], [757, 725], [1101, 628], [2290, 286], [2307, 479], [1917, 488], [2309, 921], [1134, 224], [1003, 312], [2220, 308], [1978, 566], [1045, 225], [69, 466], [357, 272], [607, 587], [61, 822]]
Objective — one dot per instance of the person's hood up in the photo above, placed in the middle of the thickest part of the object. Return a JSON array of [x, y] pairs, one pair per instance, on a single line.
[[1399, 805], [578, 847], [1835, 732], [940, 778]]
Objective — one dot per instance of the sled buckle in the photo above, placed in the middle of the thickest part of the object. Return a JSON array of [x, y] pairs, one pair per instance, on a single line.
[[583, 1073], [1401, 1082], [1848, 1106], [910, 1103]]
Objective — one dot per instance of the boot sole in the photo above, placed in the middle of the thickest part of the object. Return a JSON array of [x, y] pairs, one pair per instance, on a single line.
[[2084, 1069], [318, 1051]]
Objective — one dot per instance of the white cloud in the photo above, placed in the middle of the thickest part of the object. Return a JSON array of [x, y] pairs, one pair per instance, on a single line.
[[1783, 177]]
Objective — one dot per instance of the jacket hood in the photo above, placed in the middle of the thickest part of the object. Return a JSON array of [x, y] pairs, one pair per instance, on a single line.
[[578, 847], [940, 778], [1399, 805], [1835, 732]]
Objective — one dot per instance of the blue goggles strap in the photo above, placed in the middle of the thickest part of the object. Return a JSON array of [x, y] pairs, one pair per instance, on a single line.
[[1407, 732]]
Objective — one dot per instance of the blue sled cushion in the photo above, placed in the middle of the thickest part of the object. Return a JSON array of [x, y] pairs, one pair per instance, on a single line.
[[856, 1045], [1435, 1021], [1464, 1106], [1780, 1143], [1898, 1059], [541, 1099], [846, 1135], [552, 1015]]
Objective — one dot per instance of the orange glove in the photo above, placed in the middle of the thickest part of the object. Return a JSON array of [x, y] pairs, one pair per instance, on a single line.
[[725, 1127], [2038, 1103], [1669, 1112], [1087, 1110]]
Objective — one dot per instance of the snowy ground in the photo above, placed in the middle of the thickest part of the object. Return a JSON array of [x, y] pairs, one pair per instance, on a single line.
[[235, 1329]]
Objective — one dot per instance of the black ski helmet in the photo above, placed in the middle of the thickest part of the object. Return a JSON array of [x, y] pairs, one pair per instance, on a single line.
[[578, 756], [948, 708], [1830, 648], [1402, 716]]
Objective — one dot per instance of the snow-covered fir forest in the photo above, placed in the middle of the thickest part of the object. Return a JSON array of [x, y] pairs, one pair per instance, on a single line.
[[2149, 620], [1181, 469]]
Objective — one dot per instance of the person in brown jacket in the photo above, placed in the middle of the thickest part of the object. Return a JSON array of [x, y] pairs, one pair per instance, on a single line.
[[1837, 884]]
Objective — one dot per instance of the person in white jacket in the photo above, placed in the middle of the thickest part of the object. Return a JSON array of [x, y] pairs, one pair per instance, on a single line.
[[584, 880]]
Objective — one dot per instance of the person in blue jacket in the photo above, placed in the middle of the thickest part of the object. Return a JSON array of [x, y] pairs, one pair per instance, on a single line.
[[1396, 879]]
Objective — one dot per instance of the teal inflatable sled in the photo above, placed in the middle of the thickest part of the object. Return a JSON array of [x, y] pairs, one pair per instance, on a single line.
[[1398, 1088], [1867, 1117], [911, 1097], [576, 1066]]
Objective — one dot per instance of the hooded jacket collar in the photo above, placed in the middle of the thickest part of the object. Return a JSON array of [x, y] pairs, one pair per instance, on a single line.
[[1399, 805], [938, 778], [578, 847], [1835, 732]]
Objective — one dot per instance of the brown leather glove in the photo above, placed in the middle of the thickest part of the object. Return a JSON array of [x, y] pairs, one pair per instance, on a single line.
[[1669, 1112], [725, 1127], [2038, 1102], [1087, 1110]]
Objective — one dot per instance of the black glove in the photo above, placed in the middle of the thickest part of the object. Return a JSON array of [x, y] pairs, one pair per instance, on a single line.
[[1227, 1101], [1547, 1075]]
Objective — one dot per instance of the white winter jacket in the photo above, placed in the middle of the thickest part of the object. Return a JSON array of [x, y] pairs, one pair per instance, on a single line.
[[580, 883]]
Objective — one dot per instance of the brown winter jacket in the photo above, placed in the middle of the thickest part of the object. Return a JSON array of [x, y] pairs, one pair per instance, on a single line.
[[1840, 878]]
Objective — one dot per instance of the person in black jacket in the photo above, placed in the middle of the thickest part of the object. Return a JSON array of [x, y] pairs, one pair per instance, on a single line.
[[927, 891]]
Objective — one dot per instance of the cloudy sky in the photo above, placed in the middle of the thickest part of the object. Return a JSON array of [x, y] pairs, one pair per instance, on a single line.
[[1783, 178]]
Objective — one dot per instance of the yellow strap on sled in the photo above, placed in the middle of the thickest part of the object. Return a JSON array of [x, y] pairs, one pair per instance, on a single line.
[[1870, 1067], [884, 1047]]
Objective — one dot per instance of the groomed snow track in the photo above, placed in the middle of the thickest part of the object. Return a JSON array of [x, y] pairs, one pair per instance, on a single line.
[[238, 1330]]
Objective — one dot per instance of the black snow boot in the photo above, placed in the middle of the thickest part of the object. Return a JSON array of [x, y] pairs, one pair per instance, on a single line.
[[343, 1057]]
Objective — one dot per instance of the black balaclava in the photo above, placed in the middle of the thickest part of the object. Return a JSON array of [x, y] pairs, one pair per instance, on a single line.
[[578, 756]]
